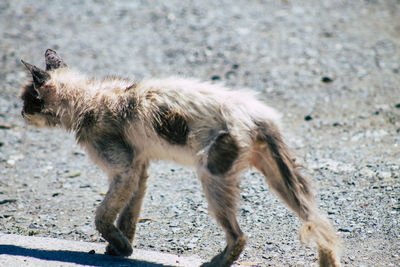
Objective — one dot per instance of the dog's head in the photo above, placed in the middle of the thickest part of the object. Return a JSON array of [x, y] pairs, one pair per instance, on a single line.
[[39, 95]]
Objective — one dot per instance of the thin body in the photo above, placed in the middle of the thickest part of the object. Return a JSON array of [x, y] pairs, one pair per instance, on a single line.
[[123, 125]]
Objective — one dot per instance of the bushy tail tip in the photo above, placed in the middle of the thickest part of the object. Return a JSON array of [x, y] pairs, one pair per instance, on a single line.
[[321, 231]]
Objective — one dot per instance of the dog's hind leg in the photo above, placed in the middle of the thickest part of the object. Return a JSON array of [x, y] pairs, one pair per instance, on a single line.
[[221, 193], [219, 179]]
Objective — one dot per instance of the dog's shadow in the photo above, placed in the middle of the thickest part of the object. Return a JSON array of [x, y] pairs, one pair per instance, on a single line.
[[82, 258]]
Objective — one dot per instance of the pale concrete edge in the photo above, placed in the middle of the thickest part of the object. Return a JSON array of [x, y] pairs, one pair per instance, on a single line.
[[54, 244]]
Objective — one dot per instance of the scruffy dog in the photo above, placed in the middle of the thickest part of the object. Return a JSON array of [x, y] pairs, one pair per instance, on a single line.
[[122, 125]]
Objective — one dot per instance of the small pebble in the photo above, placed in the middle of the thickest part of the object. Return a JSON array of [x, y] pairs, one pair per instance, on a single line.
[[326, 79], [235, 66], [230, 74], [327, 34], [74, 175], [5, 201], [5, 126]]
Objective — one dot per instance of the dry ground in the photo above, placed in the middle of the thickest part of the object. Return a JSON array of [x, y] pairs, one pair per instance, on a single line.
[[332, 68]]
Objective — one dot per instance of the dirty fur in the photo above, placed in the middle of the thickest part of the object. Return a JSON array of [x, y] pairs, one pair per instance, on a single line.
[[123, 125]]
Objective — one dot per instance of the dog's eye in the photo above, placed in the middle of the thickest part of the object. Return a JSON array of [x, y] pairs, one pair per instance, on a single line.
[[32, 104]]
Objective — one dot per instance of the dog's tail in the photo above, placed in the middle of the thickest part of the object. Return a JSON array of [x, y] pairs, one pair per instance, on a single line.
[[272, 158]]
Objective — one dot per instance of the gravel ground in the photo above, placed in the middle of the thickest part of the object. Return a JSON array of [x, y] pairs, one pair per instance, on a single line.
[[332, 68]]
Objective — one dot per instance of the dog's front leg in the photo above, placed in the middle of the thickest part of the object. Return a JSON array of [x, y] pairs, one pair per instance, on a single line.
[[130, 214], [122, 164], [123, 185]]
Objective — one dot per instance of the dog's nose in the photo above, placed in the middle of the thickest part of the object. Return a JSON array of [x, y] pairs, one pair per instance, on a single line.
[[22, 113]]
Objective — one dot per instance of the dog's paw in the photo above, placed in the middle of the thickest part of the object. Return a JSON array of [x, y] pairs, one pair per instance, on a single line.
[[112, 251], [228, 256], [120, 248]]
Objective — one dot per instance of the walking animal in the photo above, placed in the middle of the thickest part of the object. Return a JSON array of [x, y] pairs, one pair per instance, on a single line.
[[122, 125]]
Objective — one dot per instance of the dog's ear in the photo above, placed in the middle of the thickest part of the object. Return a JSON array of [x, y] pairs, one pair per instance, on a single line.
[[39, 76], [53, 61]]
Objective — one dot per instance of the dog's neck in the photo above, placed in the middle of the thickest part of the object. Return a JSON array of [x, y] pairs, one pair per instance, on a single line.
[[78, 96]]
